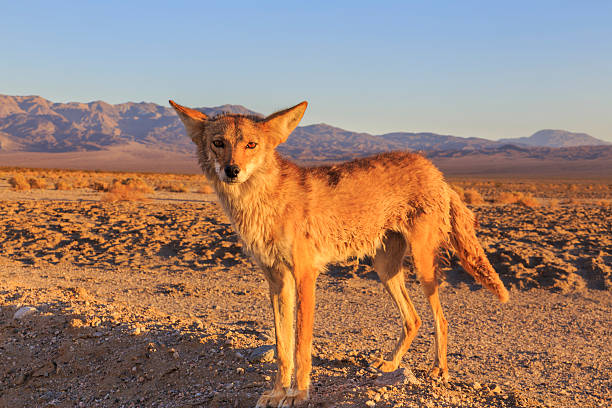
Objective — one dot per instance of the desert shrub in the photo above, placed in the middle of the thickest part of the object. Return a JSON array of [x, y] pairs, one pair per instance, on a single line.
[[62, 185], [100, 186], [179, 188], [571, 201], [459, 190], [205, 189], [506, 197], [139, 185], [37, 182], [127, 190], [553, 203], [528, 200], [19, 183], [81, 182], [173, 187], [524, 199], [122, 192], [471, 196]]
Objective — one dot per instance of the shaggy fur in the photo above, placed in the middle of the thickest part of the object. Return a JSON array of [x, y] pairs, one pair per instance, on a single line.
[[294, 221]]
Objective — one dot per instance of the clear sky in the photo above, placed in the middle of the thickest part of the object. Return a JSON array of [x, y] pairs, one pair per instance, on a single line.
[[488, 69]]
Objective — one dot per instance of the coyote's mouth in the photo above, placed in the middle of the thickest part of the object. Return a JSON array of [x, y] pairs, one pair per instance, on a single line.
[[230, 181]]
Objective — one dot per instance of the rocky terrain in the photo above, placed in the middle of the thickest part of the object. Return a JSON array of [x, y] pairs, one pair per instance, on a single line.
[[152, 303]]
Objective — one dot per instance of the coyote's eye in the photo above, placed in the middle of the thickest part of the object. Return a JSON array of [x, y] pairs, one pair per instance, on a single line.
[[218, 143], [251, 145]]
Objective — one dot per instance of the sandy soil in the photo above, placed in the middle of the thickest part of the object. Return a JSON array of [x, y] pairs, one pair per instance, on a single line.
[[153, 304]]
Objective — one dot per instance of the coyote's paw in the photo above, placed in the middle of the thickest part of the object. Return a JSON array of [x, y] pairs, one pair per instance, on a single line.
[[294, 398], [438, 373], [271, 398], [383, 365]]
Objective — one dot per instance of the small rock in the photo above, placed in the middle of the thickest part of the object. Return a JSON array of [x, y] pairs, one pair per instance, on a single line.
[[23, 312], [495, 388], [476, 386], [370, 403], [20, 379], [262, 354], [397, 377], [45, 370]]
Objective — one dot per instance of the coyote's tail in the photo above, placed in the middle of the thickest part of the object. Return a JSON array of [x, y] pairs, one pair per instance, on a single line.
[[471, 255]]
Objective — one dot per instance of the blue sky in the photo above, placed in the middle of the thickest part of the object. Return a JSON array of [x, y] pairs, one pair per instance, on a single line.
[[485, 69]]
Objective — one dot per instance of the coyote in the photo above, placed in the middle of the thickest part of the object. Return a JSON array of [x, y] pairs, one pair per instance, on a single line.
[[294, 220]]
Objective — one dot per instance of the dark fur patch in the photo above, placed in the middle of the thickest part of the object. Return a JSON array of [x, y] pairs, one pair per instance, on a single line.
[[333, 176], [254, 118]]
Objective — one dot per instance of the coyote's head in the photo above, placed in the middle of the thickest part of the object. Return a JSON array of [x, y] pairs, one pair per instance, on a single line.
[[235, 146]]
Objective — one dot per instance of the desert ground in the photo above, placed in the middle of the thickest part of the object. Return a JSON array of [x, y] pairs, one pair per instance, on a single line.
[[131, 290]]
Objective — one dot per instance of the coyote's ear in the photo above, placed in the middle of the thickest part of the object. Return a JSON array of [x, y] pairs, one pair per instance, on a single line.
[[284, 122], [191, 118]]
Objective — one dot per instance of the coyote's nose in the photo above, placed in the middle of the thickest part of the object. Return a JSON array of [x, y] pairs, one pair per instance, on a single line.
[[232, 171]]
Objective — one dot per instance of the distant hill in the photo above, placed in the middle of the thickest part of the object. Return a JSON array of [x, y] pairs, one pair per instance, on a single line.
[[433, 141], [557, 138], [322, 142], [147, 131], [34, 124]]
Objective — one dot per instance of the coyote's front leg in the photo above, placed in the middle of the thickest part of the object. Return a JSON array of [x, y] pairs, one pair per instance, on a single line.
[[282, 296], [305, 276]]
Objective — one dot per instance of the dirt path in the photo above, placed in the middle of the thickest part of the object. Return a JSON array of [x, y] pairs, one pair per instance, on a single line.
[[153, 304]]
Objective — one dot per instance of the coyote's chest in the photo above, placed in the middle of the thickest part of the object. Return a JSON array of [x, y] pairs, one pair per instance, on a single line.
[[257, 226]]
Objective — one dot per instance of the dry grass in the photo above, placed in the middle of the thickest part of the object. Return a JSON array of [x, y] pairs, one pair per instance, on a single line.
[[506, 198], [524, 199], [571, 201], [100, 186], [127, 190], [459, 190], [19, 183], [527, 200], [62, 185], [102, 181], [473, 197], [583, 189], [139, 185], [173, 187], [37, 182], [205, 189], [471, 190]]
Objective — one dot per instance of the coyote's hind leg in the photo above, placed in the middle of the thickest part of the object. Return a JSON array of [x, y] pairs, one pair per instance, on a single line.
[[388, 266], [423, 254]]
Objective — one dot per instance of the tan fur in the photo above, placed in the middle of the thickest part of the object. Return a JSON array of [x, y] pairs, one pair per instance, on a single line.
[[294, 221]]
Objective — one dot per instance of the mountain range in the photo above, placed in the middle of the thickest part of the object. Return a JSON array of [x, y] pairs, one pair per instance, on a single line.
[[36, 125]]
